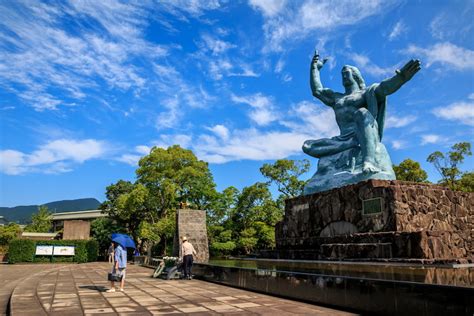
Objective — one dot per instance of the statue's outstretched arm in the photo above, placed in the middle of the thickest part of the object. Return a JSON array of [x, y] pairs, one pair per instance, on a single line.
[[325, 95], [390, 85]]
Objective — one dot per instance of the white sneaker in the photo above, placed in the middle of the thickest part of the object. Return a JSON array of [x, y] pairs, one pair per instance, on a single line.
[[121, 290], [112, 290]]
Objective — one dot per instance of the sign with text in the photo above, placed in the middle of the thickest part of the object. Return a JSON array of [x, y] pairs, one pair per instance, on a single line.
[[372, 206], [64, 250], [44, 250]]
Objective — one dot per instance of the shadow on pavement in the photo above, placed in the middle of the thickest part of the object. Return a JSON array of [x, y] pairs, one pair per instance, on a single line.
[[94, 288]]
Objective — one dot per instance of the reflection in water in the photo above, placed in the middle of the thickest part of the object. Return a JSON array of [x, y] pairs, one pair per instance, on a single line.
[[397, 272]]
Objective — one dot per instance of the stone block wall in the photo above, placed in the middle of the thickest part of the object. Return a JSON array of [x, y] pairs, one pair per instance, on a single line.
[[442, 220], [192, 224]]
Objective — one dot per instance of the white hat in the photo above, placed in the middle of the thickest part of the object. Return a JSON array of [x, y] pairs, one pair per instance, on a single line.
[[184, 238]]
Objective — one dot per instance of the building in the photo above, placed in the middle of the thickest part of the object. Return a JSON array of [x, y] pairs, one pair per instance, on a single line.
[[75, 225]]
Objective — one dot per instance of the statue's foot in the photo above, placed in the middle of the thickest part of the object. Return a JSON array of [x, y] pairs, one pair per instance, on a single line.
[[369, 167]]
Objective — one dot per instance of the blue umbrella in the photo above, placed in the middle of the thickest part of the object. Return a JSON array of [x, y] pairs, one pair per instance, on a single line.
[[124, 240]]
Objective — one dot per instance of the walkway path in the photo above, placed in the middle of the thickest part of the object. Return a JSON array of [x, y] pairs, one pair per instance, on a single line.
[[11, 275], [80, 289]]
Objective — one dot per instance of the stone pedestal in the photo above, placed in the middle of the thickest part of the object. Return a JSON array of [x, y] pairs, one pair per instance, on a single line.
[[192, 224], [379, 219]]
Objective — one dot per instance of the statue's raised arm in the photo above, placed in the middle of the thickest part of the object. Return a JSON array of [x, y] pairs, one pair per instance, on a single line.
[[325, 95], [390, 85]]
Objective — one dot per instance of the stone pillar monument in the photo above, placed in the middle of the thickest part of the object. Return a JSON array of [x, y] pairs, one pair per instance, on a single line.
[[192, 224]]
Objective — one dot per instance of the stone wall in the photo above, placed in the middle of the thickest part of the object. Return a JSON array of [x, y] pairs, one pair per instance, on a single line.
[[445, 218], [192, 224], [76, 230]]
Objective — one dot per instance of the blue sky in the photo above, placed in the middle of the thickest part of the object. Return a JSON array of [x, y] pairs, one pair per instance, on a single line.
[[88, 87]]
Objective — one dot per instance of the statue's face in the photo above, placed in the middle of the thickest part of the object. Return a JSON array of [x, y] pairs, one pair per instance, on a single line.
[[347, 77]]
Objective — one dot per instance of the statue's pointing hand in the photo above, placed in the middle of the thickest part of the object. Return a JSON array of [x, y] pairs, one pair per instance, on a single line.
[[316, 62], [409, 70]]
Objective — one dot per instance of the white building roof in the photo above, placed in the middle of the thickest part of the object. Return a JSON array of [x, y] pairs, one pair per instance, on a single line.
[[91, 214], [32, 234]]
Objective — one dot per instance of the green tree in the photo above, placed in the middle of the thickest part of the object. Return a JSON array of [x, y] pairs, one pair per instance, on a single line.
[[175, 175], [132, 209], [284, 174], [9, 232], [102, 229], [410, 170], [221, 243], [466, 183], [248, 240], [41, 222], [222, 207], [447, 164], [112, 193], [255, 204]]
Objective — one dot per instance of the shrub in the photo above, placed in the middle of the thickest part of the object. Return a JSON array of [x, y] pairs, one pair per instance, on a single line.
[[92, 247], [23, 250]]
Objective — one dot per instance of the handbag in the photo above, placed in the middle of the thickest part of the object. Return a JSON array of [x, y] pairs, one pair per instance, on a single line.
[[116, 277]]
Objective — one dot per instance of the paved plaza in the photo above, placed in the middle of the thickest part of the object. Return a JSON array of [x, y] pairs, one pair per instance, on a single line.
[[75, 289]]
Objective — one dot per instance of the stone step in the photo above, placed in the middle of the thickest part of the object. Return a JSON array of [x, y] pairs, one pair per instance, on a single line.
[[357, 250]]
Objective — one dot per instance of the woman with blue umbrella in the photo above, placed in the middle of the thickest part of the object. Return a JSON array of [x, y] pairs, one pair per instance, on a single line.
[[121, 243]]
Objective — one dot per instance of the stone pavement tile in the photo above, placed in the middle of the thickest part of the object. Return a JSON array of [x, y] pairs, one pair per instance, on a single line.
[[157, 307], [222, 308], [164, 311], [225, 298], [128, 309], [99, 310], [262, 310], [245, 305], [193, 309]]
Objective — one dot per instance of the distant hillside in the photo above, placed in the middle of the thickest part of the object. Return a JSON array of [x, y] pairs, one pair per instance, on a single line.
[[22, 214]]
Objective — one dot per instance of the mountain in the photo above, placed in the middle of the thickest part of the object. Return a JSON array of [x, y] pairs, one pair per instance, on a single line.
[[22, 214]]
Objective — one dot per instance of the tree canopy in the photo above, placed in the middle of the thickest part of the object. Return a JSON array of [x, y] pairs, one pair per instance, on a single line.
[[447, 164], [41, 222], [410, 170]]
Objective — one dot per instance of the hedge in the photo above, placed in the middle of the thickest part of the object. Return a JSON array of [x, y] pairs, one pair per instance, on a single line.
[[23, 250]]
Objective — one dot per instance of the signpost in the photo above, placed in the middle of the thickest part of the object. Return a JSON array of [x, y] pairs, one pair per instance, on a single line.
[[50, 250]]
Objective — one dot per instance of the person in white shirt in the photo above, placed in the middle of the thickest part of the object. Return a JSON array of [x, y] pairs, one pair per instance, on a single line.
[[187, 251]]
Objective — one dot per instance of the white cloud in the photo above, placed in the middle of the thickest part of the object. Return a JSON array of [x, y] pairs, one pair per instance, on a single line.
[[195, 8], [268, 7], [431, 139], [446, 54], [176, 94], [397, 30], [220, 130], [263, 112], [12, 162], [462, 112], [279, 66], [249, 144], [393, 121], [366, 66], [216, 46], [295, 20], [312, 119], [53, 157], [74, 59], [398, 144]]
